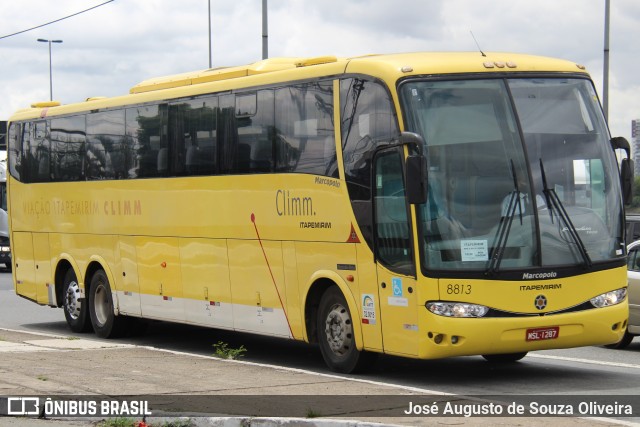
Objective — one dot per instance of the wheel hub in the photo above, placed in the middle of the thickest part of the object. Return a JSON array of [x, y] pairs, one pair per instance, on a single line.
[[72, 300], [338, 329]]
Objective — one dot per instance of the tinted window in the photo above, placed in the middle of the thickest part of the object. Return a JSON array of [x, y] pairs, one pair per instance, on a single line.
[[305, 141], [105, 155], [227, 134], [368, 120], [192, 135], [16, 161], [67, 148], [36, 150], [254, 118], [147, 149]]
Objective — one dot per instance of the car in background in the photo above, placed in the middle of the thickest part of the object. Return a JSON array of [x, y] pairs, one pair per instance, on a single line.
[[633, 293]]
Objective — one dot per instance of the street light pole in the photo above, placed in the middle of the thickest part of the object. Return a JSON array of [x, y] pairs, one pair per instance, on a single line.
[[50, 70], [265, 31], [605, 78], [210, 64]]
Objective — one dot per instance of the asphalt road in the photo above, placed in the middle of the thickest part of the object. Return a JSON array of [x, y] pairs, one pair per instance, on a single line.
[[584, 371]]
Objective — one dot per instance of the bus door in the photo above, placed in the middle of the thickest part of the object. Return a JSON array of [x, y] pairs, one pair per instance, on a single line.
[[395, 262]]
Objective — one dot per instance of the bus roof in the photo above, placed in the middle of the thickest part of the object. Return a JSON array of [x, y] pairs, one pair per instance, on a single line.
[[389, 67]]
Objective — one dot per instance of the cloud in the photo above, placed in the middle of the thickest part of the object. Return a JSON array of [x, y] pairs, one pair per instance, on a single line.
[[111, 48]]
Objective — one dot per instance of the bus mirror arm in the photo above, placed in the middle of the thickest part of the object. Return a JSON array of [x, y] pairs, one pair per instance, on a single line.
[[414, 140], [626, 168], [621, 143]]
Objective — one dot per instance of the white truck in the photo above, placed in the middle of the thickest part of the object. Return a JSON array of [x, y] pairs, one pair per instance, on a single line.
[[5, 249]]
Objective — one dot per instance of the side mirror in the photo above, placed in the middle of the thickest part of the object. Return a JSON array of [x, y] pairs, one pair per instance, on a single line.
[[626, 180], [416, 175], [626, 168]]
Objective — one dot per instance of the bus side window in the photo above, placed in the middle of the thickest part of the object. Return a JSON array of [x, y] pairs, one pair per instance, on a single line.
[[105, 157], [144, 141], [37, 151], [255, 118], [68, 137], [199, 139], [304, 121], [16, 160], [368, 119]]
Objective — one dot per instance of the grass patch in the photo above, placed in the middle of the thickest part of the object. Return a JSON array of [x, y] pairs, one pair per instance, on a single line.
[[117, 422], [223, 351], [313, 414]]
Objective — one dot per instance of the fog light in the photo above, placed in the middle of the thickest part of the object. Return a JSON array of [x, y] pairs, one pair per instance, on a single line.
[[438, 339], [454, 339]]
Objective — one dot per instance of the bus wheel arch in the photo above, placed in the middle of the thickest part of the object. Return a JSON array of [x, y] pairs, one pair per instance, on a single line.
[[331, 321], [320, 285]]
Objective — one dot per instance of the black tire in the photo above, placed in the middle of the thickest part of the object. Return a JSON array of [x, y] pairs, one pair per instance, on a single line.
[[504, 358], [74, 307], [335, 335], [623, 343], [105, 323]]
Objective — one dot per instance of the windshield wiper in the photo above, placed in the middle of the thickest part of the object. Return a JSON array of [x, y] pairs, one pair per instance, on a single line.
[[554, 203], [504, 227]]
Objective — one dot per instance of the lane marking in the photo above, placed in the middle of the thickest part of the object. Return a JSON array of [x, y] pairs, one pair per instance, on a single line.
[[587, 361]]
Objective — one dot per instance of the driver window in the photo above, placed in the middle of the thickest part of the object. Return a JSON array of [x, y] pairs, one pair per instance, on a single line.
[[393, 241]]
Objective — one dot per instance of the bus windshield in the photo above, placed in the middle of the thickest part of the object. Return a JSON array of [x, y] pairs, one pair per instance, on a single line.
[[520, 174]]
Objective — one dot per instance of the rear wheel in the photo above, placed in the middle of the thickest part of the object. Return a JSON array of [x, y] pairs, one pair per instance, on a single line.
[[336, 336], [504, 358], [623, 343], [105, 323], [75, 307]]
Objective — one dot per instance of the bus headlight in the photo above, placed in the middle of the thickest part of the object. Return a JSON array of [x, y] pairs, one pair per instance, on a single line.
[[456, 309], [609, 298]]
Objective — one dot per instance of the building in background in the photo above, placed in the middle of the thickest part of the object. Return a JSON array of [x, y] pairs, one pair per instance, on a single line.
[[635, 144], [3, 133]]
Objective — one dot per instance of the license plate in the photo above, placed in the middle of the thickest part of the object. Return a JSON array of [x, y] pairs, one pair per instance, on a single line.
[[539, 334]]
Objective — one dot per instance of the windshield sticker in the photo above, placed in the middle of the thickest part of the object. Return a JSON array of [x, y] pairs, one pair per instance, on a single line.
[[474, 250], [368, 309]]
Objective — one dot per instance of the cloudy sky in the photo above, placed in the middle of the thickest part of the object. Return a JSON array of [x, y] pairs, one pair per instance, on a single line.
[[109, 49]]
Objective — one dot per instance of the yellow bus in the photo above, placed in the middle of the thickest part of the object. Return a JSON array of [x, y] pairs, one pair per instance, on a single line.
[[423, 205]]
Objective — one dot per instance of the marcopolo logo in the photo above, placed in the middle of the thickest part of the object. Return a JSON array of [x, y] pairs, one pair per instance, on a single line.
[[538, 276]]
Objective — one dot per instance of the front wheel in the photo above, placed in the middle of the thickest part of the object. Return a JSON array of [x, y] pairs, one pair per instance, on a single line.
[[75, 307], [105, 323], [336, 336], [623, 343], [504, 358]]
